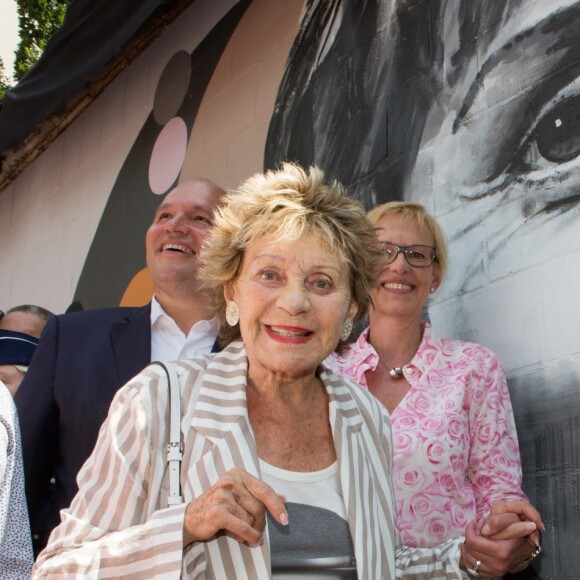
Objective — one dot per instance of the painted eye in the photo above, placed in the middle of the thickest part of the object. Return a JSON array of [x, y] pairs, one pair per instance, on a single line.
[[557, 134], [554, 139]]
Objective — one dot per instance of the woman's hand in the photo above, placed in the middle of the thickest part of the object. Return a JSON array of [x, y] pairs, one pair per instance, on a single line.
[[508, 520], [506, 542], [236, 503]]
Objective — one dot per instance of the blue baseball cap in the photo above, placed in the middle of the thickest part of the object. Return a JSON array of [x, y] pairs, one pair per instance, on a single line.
[[16, 348]]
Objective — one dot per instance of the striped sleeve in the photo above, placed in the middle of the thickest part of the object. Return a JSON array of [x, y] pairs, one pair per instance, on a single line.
[[113, 527], [437, 563]]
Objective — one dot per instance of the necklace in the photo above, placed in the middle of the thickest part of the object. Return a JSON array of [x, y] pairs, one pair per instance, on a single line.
[[395, 372]]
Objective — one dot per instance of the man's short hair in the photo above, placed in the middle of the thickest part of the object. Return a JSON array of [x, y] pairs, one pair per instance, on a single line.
[[31, 309]]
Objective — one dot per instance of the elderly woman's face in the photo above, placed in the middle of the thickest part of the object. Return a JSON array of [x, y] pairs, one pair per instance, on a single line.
[[403, 289], [293, 299]]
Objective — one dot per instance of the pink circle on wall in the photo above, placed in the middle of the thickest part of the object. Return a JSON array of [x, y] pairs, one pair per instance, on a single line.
[[168, 155]]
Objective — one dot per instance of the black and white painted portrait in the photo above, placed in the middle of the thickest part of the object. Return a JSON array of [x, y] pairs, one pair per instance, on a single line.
[[471, 107]]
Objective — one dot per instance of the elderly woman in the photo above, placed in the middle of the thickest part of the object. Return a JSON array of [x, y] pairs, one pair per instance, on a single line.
[[286, 467], [455, 448]]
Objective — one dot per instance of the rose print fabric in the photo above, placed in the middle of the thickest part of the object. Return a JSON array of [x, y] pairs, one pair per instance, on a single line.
[[455, 447]]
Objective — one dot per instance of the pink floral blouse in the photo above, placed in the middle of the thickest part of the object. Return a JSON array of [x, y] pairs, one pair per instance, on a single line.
[[455, 447]]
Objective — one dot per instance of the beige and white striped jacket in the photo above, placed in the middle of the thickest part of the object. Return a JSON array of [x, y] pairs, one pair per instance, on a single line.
[[118, 527]]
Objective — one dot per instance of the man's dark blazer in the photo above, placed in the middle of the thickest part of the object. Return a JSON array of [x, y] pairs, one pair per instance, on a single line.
[[80, 363]]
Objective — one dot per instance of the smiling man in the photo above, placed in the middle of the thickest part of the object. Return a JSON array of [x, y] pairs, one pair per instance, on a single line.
[[84, 358]]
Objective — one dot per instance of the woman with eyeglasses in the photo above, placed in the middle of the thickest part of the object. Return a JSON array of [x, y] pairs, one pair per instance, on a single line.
[[455, 448]]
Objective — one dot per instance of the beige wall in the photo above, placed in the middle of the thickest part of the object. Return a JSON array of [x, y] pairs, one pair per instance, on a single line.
[[49, 214]]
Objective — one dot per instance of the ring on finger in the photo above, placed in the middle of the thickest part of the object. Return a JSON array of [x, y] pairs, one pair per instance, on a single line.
[[475, 570], [533, 555]]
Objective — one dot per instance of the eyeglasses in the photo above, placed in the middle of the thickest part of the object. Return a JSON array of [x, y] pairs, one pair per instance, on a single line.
[[417, 255]]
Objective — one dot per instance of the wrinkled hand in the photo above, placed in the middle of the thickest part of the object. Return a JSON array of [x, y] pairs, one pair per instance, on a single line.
[[236, 503], [505, 540]]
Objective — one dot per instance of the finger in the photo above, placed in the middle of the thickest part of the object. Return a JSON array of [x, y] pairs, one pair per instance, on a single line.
[[515, 530], [491, 554], [214, 511], [522, 508], [470, 561], [254, 509], [496, 523], [500, 556], [507, 526], [535, 539], [271, 500], [242, 530]]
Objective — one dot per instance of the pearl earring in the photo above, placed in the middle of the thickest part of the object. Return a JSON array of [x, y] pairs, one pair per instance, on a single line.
[[232, 314]]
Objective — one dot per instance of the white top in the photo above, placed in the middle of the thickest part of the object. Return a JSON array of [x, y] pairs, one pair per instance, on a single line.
[[168, 341], [316, 544], [319, 488]]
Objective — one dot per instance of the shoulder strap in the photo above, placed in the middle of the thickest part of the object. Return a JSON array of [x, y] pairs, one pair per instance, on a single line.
[[175, 445]]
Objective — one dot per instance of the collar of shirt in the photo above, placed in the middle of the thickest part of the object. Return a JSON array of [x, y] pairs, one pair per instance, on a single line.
[[168, 341], [363, 357]]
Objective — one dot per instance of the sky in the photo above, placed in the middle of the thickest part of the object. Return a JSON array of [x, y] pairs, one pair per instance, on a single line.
[[8, 34]]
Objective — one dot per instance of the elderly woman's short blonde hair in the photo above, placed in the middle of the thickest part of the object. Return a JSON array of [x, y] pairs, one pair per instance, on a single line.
[[425, 221], [284, 205]]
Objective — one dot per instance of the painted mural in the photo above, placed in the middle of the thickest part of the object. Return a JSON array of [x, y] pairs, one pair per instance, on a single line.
[[471, 107], [143, 179]]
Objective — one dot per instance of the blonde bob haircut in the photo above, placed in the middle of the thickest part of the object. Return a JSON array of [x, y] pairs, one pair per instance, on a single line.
[[425, 221], [284, 205]]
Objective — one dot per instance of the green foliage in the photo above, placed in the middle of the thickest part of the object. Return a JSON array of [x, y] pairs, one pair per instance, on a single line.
[[4, 84], [38, 20]]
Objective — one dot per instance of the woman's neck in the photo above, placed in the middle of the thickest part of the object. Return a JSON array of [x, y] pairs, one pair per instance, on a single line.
[[396, 341], [286, 390]]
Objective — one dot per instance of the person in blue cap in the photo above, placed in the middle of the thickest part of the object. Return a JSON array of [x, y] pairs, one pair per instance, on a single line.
[[16, 350], [20, 329]]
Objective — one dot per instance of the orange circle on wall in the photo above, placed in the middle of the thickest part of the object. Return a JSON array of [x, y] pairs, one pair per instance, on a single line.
[[139, 291]]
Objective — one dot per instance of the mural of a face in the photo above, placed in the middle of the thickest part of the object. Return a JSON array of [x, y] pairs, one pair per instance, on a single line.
[[499, 151], [471, 107]]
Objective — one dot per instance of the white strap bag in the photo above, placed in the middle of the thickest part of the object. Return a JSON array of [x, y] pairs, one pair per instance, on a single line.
[[175, 445]]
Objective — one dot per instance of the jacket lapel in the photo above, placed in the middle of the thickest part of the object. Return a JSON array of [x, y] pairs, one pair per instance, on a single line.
[[131, 342], [221, 417], [364, 470]]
